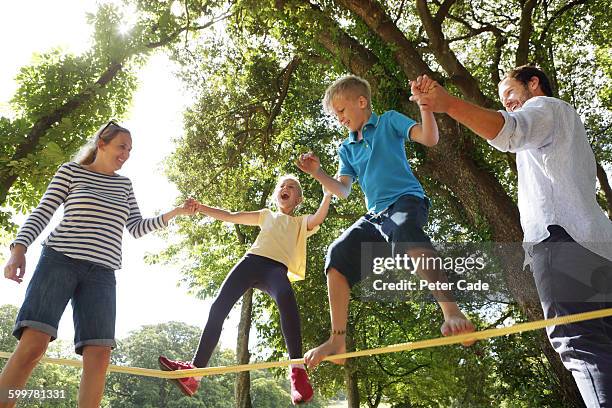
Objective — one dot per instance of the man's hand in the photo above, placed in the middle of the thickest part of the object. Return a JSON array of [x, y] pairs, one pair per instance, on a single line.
[[429, 95], [309, 163]]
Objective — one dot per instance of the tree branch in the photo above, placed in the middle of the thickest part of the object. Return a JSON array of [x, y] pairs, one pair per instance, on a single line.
[[526, 28], [459, 75], [283, 89], [43, 124], [376, 18], [556, 15], [444, 10]]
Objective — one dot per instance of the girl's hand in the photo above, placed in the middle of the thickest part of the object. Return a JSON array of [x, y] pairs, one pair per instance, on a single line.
[[189, 207], [326, 192], [309, 163]]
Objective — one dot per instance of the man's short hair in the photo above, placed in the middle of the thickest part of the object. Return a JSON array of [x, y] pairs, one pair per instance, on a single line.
[[348, 85], [524, 73]]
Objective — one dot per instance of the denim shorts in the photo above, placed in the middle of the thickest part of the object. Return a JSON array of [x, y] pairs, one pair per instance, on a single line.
[[58, 279], [401, 225]]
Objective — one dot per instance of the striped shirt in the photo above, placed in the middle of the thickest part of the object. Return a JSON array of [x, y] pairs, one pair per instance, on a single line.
[[96, 209]]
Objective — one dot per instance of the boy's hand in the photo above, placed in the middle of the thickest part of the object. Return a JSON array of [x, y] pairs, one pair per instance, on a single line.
[[423, 84], [457, 323], [309, 163], [434, 99]]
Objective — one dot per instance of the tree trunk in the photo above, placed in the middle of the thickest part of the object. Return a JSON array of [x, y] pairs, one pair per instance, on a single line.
[[352, 390], [604, 183], [350, 376], [242, 385], [451, 163]]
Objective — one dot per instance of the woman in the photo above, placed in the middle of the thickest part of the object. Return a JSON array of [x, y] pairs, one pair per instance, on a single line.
[[78, 261]]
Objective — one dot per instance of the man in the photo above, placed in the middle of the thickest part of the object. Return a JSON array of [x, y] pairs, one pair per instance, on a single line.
[[568, 238]]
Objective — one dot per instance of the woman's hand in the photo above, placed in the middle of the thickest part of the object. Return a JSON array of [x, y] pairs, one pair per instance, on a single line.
[[15, 266]]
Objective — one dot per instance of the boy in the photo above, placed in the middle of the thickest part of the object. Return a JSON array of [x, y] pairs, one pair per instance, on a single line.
[[374, 154]]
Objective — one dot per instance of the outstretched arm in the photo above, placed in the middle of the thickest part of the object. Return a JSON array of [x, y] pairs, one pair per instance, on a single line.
[[486, 123], [318, 217], [310, 163], [237, 217], [425, 133]]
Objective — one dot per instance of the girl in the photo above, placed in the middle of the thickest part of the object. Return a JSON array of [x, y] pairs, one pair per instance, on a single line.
[[78, 261], [277, 256]]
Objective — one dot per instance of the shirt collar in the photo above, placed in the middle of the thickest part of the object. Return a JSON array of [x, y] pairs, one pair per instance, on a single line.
[[373, 121]]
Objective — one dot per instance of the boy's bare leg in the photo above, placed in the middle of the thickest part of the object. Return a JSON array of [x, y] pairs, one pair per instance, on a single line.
[[30, 349], [455, 321], [339, 294]]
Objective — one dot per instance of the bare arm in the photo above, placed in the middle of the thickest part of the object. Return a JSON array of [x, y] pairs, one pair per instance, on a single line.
[[15, 266], [189, 207], [432, 97], [318, 217], [486, 123], [310, 163], [238, 217], [425, 133]]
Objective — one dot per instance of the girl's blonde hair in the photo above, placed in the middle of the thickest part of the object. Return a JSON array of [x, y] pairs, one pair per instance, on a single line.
[[106, 133], [284, 178], [280, 181]]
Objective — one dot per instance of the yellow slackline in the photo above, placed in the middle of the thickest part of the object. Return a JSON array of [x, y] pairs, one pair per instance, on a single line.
[[440, 341]]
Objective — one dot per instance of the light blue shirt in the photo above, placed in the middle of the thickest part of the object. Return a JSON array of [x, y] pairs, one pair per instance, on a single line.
[[378, 161], [556, 174]]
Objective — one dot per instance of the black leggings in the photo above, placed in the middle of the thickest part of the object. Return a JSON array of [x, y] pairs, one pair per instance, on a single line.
[[265, 274]]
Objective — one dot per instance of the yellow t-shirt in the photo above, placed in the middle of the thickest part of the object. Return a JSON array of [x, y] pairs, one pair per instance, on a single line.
[[283, 239]]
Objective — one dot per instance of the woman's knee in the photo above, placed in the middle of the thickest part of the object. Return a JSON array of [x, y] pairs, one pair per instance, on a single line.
[[100, 354], [32, 345]]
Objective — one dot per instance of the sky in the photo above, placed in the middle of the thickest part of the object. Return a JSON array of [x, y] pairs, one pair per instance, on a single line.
[[146, 294]]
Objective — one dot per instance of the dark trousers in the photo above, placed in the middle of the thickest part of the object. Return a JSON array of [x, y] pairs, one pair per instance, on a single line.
[[267, 275], [571, 279]]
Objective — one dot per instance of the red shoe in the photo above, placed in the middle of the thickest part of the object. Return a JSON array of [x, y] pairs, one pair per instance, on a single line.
[[301, 390], [187, 385]]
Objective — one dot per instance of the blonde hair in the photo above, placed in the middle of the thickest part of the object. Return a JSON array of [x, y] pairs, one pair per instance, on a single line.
[[106, 133], [284, 178], [350, 84]]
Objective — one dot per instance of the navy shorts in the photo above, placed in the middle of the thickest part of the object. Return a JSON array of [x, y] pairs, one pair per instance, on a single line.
[[401, 225], [58, 279]]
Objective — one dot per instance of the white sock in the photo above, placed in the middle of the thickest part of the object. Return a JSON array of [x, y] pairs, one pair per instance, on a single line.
[[298, 366]]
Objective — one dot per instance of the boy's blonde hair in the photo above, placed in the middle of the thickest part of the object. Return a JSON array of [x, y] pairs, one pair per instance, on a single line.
[[349, 85]]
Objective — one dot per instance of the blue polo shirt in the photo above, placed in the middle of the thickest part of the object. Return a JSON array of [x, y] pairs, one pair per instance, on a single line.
[[378, 161]]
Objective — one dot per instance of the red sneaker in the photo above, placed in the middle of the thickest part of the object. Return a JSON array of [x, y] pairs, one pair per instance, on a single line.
[[301, 390], [187, 385]]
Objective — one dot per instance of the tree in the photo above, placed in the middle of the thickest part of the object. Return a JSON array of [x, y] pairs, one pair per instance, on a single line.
[[63, 98], [141, 349], [44, 377], [260, 79], [465, 45]]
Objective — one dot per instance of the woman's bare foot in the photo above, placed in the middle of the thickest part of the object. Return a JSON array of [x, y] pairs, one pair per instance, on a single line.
[[334, 345]]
